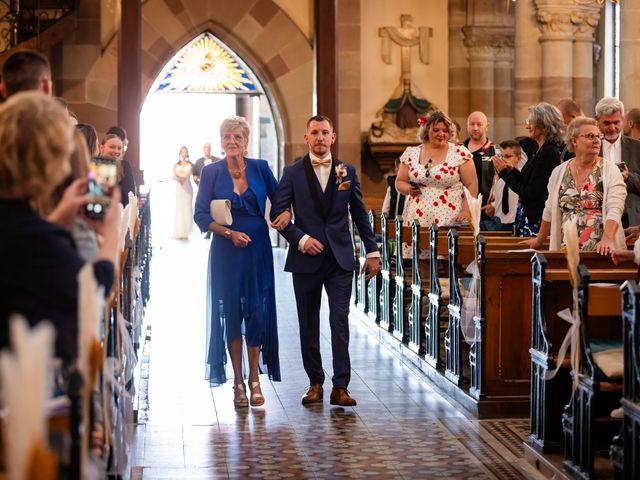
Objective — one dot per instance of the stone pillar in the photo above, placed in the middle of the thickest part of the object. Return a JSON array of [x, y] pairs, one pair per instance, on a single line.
[[502, 128], [458, 64], [490, 64], [527, 63], [630, 53], [554, 17], [585, 20]]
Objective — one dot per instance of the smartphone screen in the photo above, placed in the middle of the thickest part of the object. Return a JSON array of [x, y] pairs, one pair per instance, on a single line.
[[102, 179]]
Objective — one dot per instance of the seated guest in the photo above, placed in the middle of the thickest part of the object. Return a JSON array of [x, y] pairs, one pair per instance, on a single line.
[[501, 211], [545, 126], [39, 263], [393, 203], [126, 180], [587, 188]]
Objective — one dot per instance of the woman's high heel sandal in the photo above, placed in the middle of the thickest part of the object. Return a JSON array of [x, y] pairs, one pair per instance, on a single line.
[[257, 399], [240, 399]]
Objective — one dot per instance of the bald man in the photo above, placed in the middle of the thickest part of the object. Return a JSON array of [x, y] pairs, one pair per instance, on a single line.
[[482, 150], [631, 124]]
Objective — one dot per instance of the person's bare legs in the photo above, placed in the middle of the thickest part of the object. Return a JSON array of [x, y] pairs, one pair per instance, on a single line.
[[235, 352], [254, 381]]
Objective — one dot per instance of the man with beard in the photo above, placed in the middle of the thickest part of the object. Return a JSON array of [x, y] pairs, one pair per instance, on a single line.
[[482, 150], [623, 151]]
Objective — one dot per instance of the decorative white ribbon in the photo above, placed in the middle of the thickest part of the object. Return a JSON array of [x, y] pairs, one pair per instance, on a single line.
[[570, 340], [475, 210], [26, 377]]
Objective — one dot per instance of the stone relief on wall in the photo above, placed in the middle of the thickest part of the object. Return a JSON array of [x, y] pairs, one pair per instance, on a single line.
[[396, 121]]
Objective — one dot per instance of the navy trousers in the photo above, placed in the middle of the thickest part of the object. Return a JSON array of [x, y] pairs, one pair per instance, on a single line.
[[308, 291]]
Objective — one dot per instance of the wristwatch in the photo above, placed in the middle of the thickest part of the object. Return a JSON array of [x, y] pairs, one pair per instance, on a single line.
[[227, 233]]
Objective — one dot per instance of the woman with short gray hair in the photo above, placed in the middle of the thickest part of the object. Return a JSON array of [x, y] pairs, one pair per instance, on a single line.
[[544, 125]]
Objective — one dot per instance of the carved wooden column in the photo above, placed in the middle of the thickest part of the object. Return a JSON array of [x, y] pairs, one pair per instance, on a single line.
[[630, 53], [129, 80], [585, 20], [527, 63]]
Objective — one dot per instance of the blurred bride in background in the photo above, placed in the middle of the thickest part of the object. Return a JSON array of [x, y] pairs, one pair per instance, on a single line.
[[183, 225]]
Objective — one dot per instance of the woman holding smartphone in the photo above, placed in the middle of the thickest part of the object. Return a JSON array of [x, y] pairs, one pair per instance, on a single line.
[[39, 262], [432, 175]]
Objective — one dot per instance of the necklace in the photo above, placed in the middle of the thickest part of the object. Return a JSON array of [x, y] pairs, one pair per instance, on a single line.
[[237, 173]]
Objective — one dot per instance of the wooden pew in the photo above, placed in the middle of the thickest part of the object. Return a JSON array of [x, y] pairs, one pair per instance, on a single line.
[[625, 450], [420, 274], [361, 281], [373, 285], [387, 273], [551, 294], [586, 421], [402, 285], [354, 281]]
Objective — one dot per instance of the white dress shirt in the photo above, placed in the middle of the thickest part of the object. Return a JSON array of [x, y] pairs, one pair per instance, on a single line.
[[322, 172], [612, 151]]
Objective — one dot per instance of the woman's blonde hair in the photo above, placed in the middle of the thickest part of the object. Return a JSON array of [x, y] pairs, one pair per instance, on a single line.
[[79, 162], [573, 129], [35, 144], [432, 118], [232, 123]]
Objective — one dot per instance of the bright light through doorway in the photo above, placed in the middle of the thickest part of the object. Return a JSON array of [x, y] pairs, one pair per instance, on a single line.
[[169, 121]]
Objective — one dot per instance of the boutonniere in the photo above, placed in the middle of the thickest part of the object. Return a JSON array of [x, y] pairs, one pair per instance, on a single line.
[[341, 171]]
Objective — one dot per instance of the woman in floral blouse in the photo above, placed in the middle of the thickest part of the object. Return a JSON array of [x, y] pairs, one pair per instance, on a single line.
[[587, 188]]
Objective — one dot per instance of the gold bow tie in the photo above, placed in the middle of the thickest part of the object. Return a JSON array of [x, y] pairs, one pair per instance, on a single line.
[[321, 163]]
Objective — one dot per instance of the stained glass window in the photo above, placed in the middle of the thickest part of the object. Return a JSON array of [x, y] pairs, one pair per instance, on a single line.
[[206, 66]]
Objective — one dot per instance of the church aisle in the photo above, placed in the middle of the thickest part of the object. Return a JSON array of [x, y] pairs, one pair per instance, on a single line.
[[401, 427]]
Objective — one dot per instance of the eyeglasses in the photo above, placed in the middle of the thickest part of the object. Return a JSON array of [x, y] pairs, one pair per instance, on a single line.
[[593, 136], [529, 123]]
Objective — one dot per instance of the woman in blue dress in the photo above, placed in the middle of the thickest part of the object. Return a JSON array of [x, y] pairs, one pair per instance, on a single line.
[[241, 290]]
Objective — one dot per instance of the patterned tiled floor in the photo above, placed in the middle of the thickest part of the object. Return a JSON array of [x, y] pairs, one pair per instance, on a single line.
[[401, 427]]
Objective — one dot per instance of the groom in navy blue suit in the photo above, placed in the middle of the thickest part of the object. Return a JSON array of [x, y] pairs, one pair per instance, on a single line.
[[322, 192]]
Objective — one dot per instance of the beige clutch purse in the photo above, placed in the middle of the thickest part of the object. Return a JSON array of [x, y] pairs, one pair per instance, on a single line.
[[221, 212]]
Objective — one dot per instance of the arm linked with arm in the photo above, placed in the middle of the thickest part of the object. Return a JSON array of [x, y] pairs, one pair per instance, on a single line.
[[283, 199]]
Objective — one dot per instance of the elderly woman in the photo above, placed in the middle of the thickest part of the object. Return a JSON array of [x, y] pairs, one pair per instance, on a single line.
[[586, 188], [39, 263], [241, 297], [432, 175], [545, 126]]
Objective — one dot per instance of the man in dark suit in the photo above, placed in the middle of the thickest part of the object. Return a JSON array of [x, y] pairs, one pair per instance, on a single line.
[[622, 150], [322, 192]]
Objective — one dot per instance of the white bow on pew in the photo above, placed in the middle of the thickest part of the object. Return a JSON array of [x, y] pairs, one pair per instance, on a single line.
[[27, 381], [572, 338]]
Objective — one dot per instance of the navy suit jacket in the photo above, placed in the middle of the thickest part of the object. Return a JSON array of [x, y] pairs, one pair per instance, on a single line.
[[322, 215]]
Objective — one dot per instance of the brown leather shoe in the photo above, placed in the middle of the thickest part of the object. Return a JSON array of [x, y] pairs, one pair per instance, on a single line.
[[340, 396], [313, 395]]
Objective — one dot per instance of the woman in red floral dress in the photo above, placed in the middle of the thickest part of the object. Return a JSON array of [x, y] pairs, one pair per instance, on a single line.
[[432, 175]]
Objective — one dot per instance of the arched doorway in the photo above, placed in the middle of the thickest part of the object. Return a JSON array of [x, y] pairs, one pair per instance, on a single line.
[[201, 85]]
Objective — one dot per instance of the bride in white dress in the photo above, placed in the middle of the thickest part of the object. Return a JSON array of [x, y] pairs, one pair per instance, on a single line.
[[183, 225]]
